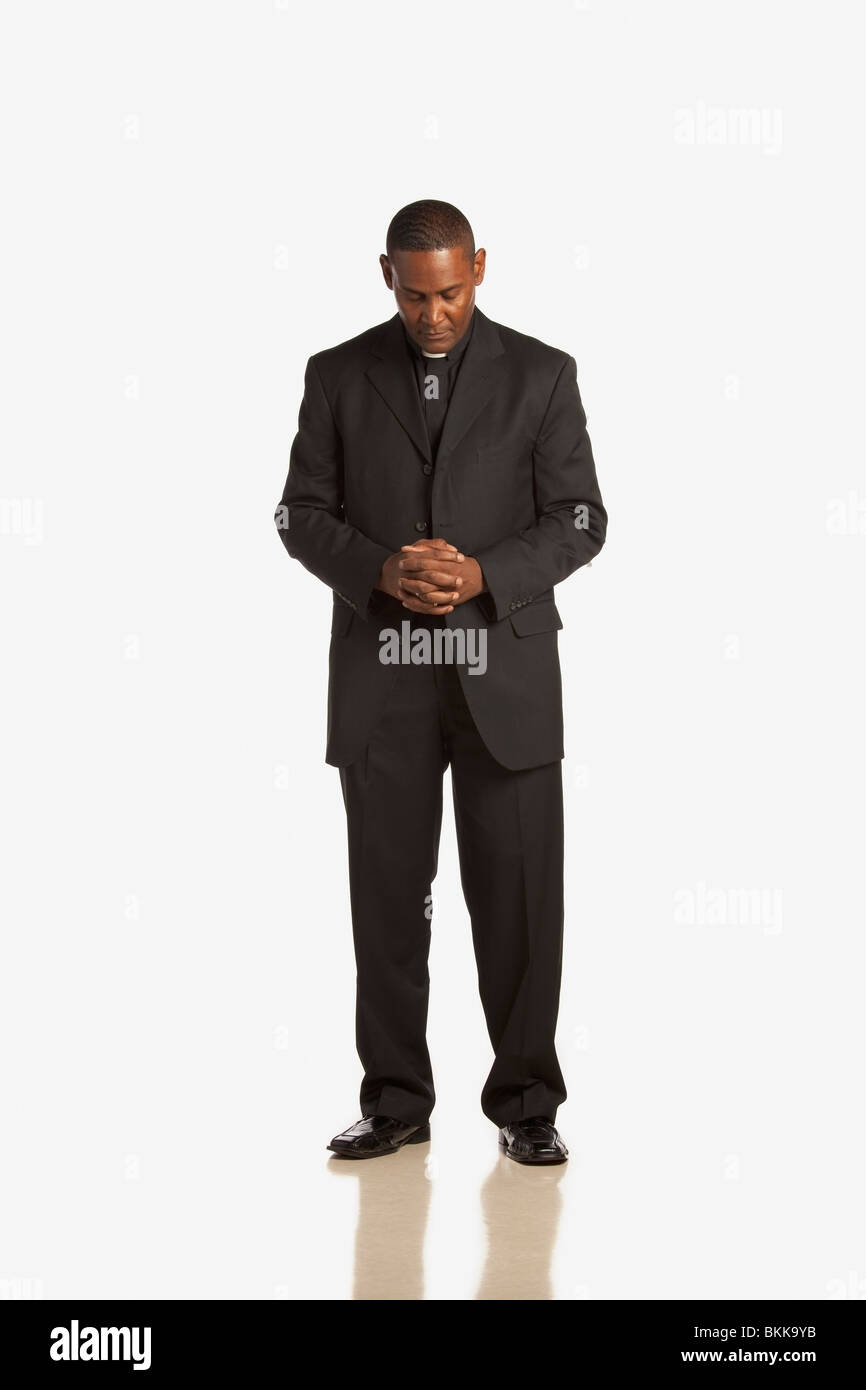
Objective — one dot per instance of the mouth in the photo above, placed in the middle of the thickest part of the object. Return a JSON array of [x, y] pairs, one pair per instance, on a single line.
[[435, 337]]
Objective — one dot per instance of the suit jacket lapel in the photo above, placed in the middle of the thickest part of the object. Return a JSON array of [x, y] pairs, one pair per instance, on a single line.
[[478, 378], [393, 376]]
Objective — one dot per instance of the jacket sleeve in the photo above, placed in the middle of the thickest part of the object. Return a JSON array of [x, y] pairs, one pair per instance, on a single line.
[[571, 522], [309, 516]]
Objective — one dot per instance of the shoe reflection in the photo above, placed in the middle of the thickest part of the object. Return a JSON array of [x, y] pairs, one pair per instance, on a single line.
[[521, 1206], [393, 1204]]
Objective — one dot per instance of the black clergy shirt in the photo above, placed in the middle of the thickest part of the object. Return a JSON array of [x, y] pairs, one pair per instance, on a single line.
[[436, 376]]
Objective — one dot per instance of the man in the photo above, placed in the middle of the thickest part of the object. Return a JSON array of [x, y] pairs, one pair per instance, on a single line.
[[441, 482]]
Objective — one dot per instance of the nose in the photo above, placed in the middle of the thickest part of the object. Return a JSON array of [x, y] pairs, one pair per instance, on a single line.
[[433, 322]]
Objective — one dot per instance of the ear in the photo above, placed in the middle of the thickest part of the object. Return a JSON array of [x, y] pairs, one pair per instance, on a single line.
[[387, 271]]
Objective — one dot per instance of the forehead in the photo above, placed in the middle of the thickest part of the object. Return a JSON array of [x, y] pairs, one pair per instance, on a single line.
[[431, 271]]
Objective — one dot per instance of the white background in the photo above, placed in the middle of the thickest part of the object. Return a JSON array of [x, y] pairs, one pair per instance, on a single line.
[[196, 197]]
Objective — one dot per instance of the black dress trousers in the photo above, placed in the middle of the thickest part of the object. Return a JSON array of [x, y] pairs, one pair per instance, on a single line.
[[510, 842]]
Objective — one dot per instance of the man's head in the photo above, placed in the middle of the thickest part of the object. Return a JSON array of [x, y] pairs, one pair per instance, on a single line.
[[432, 266]]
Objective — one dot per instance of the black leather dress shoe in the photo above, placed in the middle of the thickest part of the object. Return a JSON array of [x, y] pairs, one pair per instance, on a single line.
[[532, 1141], [375, 1135]]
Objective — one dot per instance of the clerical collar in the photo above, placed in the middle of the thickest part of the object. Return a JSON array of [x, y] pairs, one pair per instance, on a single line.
[[453, 355]]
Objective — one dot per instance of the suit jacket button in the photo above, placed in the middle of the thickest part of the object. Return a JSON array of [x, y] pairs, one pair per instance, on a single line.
[[428, 468], [420, 525]]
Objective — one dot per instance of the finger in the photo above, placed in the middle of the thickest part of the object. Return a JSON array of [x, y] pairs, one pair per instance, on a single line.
[[443, 552], [436, 543], [436, 579], [415, 606], [428, 593], [428, 580], [413, 558], [428, 556], [424, 570], [413, 585]]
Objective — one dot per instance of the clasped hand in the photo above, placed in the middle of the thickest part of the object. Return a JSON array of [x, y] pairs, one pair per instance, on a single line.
[[431, 576]]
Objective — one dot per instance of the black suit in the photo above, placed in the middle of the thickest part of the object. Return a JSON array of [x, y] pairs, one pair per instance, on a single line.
[[513, 483]]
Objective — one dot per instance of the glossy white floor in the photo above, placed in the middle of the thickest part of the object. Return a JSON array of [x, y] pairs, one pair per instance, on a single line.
[[179, 1075]]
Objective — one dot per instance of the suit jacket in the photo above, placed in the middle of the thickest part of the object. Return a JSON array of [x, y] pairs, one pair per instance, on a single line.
[[514, 485]]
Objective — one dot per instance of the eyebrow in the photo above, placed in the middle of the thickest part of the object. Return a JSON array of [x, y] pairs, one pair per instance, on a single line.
[[447, 290]]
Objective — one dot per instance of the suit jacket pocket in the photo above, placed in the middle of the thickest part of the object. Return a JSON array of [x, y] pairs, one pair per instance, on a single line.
[[535, 617]]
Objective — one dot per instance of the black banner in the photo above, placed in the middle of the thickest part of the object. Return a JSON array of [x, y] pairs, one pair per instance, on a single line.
[[213, 1338]]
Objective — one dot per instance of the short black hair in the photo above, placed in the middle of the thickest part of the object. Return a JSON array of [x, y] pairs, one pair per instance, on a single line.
[[429, 225]]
